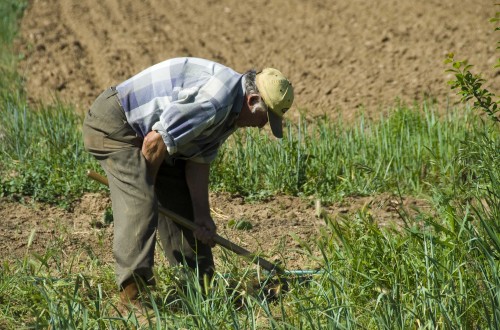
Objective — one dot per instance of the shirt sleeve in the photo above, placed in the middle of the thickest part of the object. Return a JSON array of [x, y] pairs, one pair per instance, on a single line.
[[181, 123]]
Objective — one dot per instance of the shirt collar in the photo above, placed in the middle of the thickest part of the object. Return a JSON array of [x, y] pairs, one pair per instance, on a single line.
[[238, 103]]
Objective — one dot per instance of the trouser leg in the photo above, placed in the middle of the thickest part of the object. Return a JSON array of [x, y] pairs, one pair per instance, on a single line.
[[113, 142], [134, 212], [179, 244]]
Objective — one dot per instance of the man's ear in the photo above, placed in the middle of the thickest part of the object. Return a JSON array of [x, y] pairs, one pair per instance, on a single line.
[[253, 99]]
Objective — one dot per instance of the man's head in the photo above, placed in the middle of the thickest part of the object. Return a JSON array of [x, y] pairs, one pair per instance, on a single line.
[[269, 96], [277, 92]]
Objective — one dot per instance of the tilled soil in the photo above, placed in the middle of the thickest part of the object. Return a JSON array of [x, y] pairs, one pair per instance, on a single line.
[[340, 55]]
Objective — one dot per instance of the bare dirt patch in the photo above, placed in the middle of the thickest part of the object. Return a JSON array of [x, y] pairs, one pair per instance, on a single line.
[[280, 230]]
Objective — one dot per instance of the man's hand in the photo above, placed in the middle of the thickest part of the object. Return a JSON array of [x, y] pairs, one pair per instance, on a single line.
[[206, 230], [154, 150]]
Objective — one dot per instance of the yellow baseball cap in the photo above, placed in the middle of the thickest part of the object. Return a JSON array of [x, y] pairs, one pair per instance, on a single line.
[[277, 92]]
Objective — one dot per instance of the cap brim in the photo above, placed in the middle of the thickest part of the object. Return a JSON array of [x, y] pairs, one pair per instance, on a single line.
[[276, 123]]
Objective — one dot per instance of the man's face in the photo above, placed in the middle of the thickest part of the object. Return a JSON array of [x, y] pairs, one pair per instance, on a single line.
[[259, 113]]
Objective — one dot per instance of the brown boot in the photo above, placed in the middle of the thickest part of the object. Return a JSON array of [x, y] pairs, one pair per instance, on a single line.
[[129, 293], [132, 294], [132, 302]]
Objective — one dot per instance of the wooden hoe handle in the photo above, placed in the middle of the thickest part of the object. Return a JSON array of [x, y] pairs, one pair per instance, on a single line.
[[192, 226]]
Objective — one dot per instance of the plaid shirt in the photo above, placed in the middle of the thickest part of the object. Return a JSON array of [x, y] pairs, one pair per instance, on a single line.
[[191, 102]]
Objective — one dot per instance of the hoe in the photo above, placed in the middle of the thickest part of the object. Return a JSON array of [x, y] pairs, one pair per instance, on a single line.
[[275, 284]]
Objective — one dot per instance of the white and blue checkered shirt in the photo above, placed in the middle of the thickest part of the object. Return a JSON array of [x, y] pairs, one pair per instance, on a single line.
[[191, 102]]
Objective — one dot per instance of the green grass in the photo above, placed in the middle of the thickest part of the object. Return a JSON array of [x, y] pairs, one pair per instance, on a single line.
[[10, 83], [42, 154], [441, 270], [408, 152]]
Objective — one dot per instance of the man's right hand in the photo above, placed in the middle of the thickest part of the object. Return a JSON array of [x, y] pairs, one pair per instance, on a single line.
[[154, 150]]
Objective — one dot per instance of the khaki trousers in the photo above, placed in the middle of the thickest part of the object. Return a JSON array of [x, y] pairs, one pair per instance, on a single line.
[[135, 197]]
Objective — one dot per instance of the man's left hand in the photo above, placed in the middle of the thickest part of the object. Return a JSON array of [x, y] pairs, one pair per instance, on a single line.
[[206, 230]]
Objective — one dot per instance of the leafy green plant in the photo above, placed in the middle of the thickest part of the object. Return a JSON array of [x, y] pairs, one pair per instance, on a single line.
[[470, 86], [241, 224]]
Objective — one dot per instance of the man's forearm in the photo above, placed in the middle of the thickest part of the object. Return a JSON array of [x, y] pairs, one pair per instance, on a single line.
[[197, 178], [197, 181]]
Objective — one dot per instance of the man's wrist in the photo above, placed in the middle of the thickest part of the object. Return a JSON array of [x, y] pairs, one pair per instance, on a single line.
[[167, 139]]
